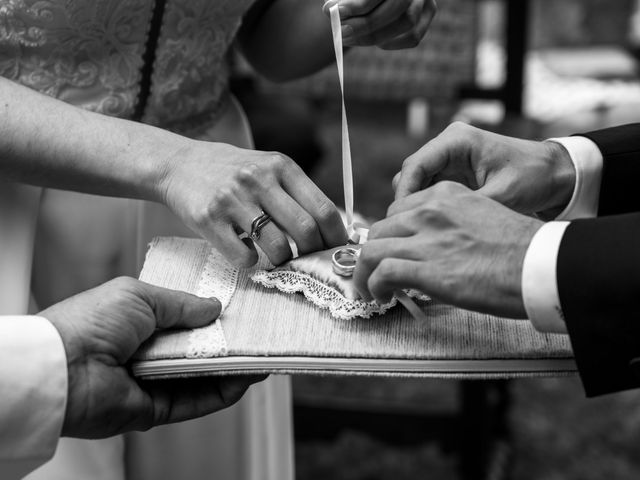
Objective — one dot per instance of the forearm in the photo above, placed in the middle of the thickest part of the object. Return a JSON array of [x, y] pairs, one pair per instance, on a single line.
[[620, 148], [598, 284], [287, 39], [49, 143]]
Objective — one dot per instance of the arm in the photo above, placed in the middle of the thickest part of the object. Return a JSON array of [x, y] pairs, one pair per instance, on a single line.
[[289, 39], [598, 274], [584, 272], [33, 387], [216, 189], [620, 149]]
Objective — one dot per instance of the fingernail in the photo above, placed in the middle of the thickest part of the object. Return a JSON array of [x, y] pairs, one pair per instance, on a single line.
[[216, 302], [328, 4]]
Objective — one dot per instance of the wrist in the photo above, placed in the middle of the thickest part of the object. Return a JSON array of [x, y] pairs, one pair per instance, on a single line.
[[524, 235], [562, 179], [157, 158]]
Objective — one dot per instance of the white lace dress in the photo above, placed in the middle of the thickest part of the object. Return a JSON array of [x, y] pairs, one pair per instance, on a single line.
[[163, 62]]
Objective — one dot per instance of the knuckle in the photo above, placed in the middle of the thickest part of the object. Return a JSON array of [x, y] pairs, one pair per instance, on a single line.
[[308, 228], [425, 213], [124, 283], [327, 211], [222, 199], [249, 174], [391, 210], [456, 127], [278, 161], [386, 269]]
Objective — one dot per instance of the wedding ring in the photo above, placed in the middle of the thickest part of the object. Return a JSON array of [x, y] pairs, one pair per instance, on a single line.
[[257, 224], [344, 261]]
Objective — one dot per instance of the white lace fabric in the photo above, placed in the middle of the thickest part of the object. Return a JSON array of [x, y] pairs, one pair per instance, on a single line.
[[313, 276], [89, 53], [219, 279]]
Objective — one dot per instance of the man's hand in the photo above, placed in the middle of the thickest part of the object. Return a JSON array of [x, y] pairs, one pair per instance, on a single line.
[[101, 329], [453, 244], [389, 24], [218, 189], [526, 176]]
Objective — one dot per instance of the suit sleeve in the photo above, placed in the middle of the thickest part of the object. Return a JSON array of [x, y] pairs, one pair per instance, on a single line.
[[33, 393], [620, 148], [598, 272]]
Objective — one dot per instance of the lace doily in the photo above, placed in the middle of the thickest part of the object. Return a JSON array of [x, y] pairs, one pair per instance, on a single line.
[[312, 275], [219, 279]]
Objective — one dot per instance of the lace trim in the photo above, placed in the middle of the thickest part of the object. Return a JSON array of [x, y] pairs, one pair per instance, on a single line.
[[219, 279], [324, 296]]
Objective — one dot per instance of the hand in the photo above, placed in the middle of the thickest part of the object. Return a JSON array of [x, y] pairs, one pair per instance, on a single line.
[[389, 24], [453, 244], [101, 329], [218, 189], [526, 176]]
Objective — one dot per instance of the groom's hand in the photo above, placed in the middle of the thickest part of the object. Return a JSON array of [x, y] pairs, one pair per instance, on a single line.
[[100, 331], [526, 176], [388, 24], [453, 244]]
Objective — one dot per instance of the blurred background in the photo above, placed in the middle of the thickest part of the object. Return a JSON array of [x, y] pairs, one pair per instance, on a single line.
[[527, 68]]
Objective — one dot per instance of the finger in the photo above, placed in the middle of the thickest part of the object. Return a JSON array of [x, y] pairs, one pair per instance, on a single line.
[[316, 203], [394, 182], [401, 225], [395, 273], [437, 157], [388, 20], [174, 309], [239, 252], [419, 168], [406, 204], [184, 399], [295, 221], [271, 240], [413, 36], [374, 252], [349, 8]]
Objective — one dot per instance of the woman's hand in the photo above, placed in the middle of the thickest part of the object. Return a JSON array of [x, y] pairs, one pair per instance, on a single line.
[[389, 24], [218, 190]]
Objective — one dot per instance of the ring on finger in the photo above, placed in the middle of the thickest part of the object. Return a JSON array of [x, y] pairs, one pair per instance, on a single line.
[[257, 224]]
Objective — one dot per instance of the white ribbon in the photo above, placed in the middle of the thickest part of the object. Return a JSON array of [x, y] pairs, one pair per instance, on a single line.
[[355, 232], [347, 170]]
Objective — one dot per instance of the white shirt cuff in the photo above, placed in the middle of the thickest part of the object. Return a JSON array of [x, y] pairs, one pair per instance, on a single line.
[[33, 382], [539, 281], [587, 160]]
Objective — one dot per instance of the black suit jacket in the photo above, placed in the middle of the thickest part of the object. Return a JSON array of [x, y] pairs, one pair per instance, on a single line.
[[599, 271]]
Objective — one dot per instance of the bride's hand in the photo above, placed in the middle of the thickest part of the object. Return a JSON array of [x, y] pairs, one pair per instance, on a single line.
[[218, 190], [389, 24]]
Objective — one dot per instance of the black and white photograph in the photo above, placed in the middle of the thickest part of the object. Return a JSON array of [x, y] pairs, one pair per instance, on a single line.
[[319, 239]]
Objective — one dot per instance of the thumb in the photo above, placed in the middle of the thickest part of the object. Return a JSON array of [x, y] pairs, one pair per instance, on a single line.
[[174, 309]]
